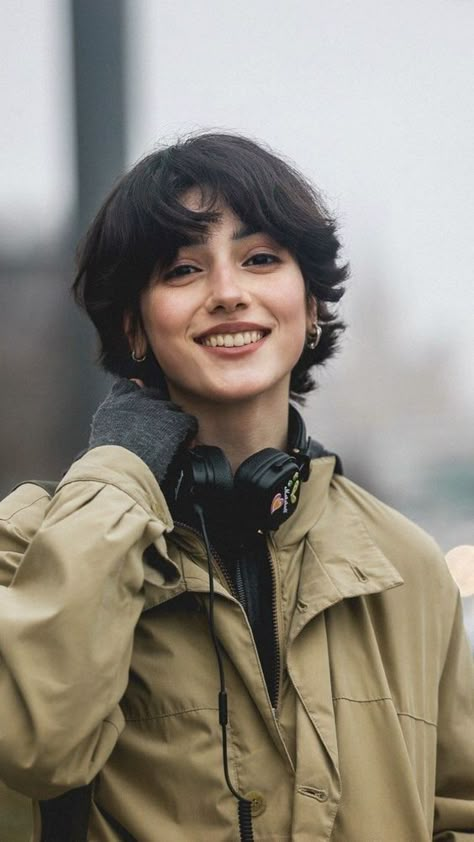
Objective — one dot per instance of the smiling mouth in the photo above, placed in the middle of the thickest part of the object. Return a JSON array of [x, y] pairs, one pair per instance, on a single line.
[[232, 340]]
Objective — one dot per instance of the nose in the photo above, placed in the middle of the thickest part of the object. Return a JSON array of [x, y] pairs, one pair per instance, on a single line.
[[227, 291]]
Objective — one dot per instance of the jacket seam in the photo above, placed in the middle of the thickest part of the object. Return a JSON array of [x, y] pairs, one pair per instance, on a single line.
[[111, 722], [23, 508], [10, 519], [143, 501], [417, 718], [385, 699], [362, 701], [234, 756], [167, 715]]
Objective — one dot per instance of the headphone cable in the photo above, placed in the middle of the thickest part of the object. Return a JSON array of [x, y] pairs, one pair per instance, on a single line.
[[244, 805]]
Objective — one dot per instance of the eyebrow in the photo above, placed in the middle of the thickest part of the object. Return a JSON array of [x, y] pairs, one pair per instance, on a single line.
[[244, 230]]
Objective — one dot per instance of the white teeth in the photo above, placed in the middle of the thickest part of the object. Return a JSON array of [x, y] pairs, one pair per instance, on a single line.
[[232, 340]]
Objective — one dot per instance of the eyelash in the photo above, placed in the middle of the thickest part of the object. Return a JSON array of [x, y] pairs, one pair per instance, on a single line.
[[273, 258], [176, 273]]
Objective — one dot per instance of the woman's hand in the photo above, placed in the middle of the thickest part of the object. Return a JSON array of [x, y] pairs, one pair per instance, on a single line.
[[138, 418]]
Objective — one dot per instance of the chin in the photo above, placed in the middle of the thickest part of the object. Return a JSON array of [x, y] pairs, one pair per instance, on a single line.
[[242, 392], [231, 389]]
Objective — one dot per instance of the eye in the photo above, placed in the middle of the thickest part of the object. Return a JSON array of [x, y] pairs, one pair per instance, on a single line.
[[262, 259], [180, 272]]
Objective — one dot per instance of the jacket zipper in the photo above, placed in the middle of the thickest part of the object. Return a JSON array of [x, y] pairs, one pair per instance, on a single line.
[[276, 683], [239, 594], [215, 557]]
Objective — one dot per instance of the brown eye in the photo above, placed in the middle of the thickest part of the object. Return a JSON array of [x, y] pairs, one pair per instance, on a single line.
[[181, 271], [262, 259]]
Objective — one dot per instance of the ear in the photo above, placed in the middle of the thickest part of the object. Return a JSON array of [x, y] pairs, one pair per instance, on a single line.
[[311, 312], [135, 334]]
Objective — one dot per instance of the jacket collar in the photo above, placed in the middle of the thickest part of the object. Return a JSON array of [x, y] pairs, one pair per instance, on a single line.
[[338, 536], [340, 559]]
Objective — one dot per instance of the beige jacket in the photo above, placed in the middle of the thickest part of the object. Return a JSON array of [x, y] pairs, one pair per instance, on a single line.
[[107, 668]]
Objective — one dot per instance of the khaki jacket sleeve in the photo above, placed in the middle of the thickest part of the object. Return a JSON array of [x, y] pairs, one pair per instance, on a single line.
[[454, 804], [71, 593]]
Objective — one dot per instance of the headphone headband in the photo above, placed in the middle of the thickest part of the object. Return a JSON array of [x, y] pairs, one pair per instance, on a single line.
[[299, 441]]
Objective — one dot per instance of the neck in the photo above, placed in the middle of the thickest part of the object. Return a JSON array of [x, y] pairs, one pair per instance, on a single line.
[[243, 429]]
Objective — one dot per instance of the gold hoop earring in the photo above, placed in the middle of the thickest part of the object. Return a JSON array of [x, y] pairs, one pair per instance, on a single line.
[[138, 359], [313, 336]]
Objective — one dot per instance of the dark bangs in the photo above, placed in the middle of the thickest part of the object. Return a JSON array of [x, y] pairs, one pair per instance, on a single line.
[[142, 225]]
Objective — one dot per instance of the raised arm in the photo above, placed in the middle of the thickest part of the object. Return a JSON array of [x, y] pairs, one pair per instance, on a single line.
[[68, 617]]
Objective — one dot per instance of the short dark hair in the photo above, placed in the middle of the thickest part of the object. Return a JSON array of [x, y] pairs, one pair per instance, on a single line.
[[143, 223]]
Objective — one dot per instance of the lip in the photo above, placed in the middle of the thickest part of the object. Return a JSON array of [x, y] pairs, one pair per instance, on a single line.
[[232, 327]]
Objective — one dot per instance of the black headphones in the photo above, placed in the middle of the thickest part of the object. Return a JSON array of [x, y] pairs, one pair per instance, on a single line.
[[264, 491]]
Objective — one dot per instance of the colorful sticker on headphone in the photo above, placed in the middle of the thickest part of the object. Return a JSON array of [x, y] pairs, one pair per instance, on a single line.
[[277, 503], [290, 495], [293, 487]]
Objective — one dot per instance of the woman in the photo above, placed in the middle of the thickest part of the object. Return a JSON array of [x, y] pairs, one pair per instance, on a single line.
[[319, 678]]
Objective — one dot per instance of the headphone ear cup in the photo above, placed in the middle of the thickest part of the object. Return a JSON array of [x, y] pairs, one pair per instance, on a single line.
[[206, 476], [267, 487]]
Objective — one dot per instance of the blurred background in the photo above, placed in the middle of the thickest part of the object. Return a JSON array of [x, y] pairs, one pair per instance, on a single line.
[[373, 101]]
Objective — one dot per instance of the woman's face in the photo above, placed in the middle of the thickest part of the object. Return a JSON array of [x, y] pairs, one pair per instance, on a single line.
[[227, 320]]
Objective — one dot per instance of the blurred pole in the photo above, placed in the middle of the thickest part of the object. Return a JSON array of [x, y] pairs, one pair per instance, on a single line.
[[98, 46], [99, 79]]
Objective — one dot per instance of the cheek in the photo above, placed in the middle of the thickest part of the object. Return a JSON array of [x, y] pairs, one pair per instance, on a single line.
[[165, 322], [294, 311], [298, 318], [159, 319]]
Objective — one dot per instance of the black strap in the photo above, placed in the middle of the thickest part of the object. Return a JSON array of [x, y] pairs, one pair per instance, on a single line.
[[47, 485], [66, 818]]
